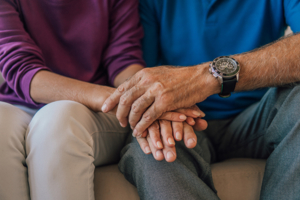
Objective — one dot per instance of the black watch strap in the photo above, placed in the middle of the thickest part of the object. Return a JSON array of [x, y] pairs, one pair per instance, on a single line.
[[228, 86]]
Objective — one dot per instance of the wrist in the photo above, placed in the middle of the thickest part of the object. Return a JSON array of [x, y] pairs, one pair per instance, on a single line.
[[96, 95], [212, 85]]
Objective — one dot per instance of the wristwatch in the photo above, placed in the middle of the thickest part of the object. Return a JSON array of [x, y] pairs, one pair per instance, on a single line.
[[226, 70]]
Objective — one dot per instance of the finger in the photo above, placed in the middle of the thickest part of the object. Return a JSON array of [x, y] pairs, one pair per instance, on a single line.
[[193, 112], [166, 133], [139, 107], [150, 115], [126, 101], [173, 116], [190, 121], [177, 130], [154, 134], [157, 153], [195, 107], [114, 99], [145, 134], [189, 136], [169, 153], [200, 124], [144, 145]]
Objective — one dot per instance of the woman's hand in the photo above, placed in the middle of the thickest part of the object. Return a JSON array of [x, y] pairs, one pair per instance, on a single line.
[[166, 132]]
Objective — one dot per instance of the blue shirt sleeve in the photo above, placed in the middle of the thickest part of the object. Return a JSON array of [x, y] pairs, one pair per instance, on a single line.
[[292, 14], [150, 43]]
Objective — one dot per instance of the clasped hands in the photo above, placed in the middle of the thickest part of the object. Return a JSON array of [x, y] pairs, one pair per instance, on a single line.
[[146, 99], [159, 139]]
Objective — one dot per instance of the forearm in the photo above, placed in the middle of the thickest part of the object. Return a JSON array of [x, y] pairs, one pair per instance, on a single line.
[[272, 65], [127, 73], [47, 87]]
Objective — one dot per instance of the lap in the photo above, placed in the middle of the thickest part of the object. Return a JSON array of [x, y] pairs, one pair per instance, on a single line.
[[65, 120], [13, 123], [256, 131], [188, 177]]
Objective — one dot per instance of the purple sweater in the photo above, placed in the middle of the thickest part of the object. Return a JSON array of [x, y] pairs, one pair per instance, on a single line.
[[88, 40]]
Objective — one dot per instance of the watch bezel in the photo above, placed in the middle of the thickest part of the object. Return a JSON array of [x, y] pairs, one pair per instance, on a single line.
[[215, 69]]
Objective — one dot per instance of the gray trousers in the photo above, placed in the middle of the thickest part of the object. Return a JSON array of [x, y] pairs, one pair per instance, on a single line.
[[52, 155], [268, 130]]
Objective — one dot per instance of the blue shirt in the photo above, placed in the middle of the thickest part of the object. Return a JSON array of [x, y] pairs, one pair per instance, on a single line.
[[190, 32]]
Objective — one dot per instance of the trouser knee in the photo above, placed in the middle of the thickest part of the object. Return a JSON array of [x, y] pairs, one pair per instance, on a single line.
[[13, 125], [59, 128]]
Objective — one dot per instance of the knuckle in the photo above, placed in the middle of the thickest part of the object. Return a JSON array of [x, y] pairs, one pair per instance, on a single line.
[[147, 81], [158, 86], [155, 125], [166, 99], [142, 72], [154, 136], [139, 128], [132, 122], [148, 117], [121, 88], [123, 100], [163, 122], [173, 116], [135, 108]]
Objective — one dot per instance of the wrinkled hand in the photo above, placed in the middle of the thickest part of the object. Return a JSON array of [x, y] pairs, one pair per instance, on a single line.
[[154, 91]]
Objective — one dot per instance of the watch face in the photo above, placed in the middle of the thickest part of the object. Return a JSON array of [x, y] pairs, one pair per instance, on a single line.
[[226, 66]]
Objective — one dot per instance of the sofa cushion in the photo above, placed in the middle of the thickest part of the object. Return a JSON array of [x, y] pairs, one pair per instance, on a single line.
[[234, 179], [237, 179]]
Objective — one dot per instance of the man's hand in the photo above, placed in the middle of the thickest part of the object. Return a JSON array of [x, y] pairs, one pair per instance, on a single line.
[[153, 91]]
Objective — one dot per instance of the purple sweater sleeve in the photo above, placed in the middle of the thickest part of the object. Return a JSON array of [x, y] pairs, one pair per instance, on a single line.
[[125, 32], [20, 58]]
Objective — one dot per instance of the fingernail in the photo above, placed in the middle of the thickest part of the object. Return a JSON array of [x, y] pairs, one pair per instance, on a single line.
[[196, 113], [158, 153], [170, 155], [171, 141], [159, 144], [138, 134], [104, 108], [193, 121], [191, 141], [183, 117], [134, 132], [133, 135], [178, 136], [147, 150], [122, 124], [131, 127], [202, 114]]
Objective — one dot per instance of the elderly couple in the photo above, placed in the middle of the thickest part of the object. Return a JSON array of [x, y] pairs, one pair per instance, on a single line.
[[60, 115]]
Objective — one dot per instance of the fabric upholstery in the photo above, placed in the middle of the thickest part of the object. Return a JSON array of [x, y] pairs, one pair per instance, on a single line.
[[234, 179]]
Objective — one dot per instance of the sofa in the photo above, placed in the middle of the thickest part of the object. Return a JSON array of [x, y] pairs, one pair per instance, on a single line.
[[234, 179]]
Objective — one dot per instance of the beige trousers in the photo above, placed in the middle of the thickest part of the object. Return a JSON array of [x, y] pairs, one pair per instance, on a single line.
[[52, 155]]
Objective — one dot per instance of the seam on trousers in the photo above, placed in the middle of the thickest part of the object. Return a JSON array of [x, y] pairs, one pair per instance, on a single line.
[[91, 173]]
